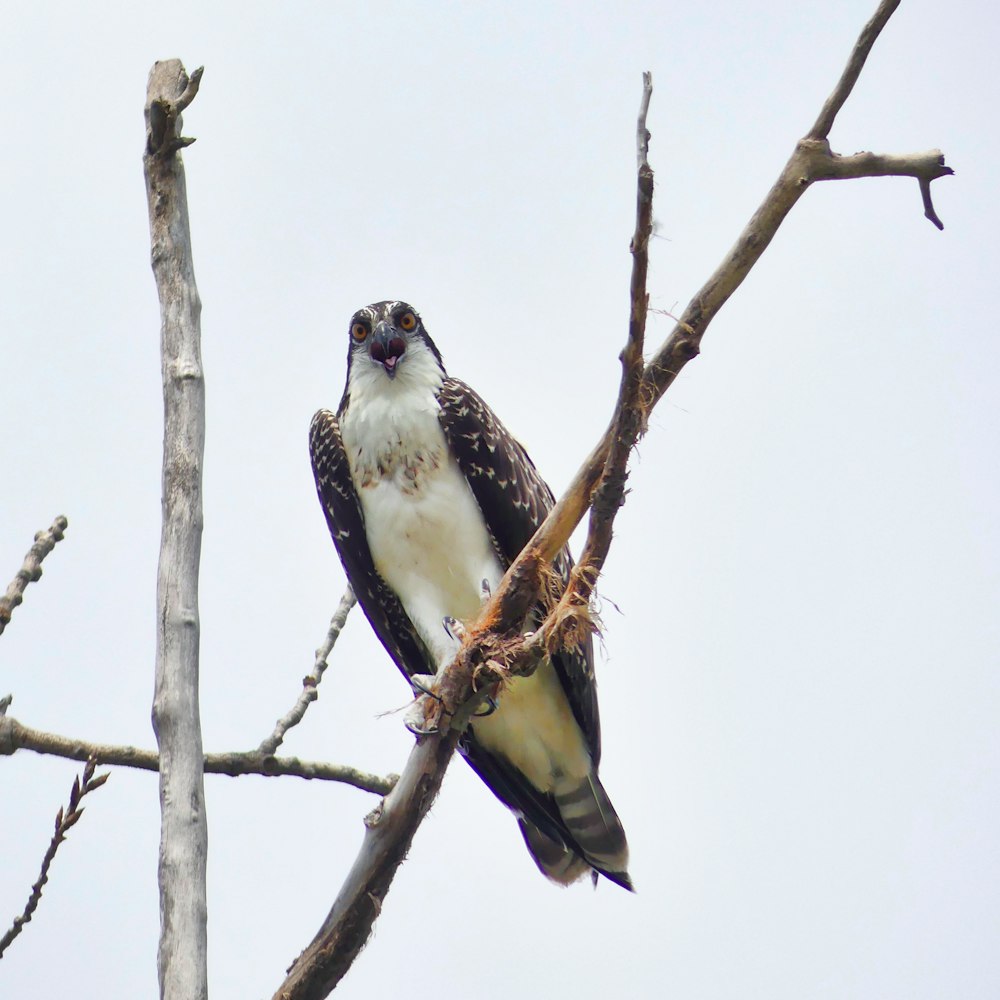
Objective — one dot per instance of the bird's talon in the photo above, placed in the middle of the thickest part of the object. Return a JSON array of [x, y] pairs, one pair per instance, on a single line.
[[488, 709], [419, 730], [424, 684], [454, 628]]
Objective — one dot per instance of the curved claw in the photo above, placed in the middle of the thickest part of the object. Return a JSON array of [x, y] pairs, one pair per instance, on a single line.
[[453, 628], [488, 709], [418, 730], [423, 684]]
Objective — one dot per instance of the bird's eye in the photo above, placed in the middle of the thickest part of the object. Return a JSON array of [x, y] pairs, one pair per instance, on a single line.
[[408, 321], [359, 331]]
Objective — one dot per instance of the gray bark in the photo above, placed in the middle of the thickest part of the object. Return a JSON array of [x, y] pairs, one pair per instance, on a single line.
[[182, 959]]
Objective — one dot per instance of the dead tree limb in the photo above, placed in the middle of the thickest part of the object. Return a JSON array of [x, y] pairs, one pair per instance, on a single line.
[[496, 638], [310, 683], [182, 959], [15, 736], [31, 569], [64, 822]]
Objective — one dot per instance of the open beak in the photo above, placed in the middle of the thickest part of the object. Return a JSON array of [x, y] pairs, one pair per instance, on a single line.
[[387, 348]]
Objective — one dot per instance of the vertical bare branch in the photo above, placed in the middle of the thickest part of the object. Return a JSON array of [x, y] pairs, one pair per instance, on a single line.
[[31, 569], [183, 951]]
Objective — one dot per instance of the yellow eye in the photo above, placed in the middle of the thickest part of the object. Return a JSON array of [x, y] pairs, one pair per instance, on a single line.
[[408, 321], [359, 331]]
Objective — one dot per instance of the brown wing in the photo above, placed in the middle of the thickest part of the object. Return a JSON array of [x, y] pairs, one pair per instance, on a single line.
[[515, 500]]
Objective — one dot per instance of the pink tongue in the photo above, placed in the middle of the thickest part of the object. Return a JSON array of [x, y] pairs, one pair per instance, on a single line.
[[390, 362]]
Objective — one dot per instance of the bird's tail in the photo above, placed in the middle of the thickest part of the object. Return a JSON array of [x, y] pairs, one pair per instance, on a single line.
[[598, 838]]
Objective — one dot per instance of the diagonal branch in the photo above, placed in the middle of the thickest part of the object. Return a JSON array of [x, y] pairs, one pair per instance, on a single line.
[[310, 682], [31, 569], [64, 822], [859, 56]]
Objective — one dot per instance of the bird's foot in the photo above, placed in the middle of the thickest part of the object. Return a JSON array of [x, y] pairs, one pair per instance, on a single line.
[[424, 687], [415, 720], [425, 684]]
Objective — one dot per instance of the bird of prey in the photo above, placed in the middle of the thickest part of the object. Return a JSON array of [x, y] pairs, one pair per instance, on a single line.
[[429, 499]]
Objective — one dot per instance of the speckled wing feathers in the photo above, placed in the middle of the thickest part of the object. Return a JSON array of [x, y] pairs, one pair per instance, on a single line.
[[344, 517], [515, 500]]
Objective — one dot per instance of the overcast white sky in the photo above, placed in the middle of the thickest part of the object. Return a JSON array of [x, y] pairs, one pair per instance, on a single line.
[[800, 689]]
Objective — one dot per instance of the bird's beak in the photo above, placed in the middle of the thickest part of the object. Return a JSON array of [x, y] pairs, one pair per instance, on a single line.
[[387, 348]]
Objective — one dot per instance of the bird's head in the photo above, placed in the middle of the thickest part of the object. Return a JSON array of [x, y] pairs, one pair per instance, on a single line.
[[387, 338]]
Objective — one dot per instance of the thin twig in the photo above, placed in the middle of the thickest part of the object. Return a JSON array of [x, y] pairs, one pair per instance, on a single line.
[[31, 570], [310, 683], [64, 821], [16, 736]]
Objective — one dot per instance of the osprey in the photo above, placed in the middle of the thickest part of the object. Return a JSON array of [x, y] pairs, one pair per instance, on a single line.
[[429, 499]]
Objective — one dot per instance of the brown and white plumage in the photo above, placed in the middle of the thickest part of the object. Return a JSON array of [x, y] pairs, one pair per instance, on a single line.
[[426, 495]]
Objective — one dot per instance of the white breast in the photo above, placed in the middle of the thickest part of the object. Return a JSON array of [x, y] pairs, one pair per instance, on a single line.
[[430, 544], [426, 533]]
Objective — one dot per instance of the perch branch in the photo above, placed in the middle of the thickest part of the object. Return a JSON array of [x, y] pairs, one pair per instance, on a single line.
[[64, 821], [182, 958], [389, 831], [16, 736], [31, 570], [310, 683], [599, 484]]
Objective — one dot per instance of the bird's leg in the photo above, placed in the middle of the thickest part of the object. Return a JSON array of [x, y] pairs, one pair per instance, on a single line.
[[427, 684]]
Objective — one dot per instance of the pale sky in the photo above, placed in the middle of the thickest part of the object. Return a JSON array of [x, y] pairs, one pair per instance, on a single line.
[[799, 680]]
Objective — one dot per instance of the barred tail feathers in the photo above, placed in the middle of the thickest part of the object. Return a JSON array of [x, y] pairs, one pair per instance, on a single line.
[[598, 838]]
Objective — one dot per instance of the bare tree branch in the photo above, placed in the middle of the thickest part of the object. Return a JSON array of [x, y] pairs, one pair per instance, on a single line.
[[812, 160], [16, 736], [64, 821], [183, 952], [859, 56], [495, 643], [310, 682], [31, 569], [389, 831]]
